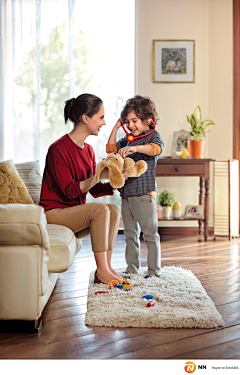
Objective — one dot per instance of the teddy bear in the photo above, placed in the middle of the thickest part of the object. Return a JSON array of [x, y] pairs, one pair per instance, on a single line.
[[116, 165]]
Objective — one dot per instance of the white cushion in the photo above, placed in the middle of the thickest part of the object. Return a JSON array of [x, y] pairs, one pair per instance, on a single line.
[[63, 247], [31, 175]]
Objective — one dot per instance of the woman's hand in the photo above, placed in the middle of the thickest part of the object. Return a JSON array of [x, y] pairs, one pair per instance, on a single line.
[[104, 175], [127, 150]]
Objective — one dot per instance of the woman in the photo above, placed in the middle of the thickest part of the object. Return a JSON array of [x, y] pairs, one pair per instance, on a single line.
[[69, 175]]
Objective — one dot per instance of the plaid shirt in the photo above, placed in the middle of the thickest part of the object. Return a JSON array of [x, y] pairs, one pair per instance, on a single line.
[[147, 181]]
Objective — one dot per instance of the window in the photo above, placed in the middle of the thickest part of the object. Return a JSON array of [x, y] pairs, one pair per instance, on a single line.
[[52, 50]]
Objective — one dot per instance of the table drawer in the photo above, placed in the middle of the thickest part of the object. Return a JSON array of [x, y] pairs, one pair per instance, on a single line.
[[180, 169]]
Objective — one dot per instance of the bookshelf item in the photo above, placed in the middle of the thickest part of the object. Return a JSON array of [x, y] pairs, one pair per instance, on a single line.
[[226, 198]]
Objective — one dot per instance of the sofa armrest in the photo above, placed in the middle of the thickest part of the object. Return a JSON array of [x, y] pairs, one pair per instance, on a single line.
[[23, 228]]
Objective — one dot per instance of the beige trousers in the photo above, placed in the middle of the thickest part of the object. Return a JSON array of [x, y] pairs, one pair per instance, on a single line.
[[100, 220]]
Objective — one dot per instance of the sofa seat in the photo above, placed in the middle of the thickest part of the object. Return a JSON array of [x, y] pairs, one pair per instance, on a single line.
[[64, 245]]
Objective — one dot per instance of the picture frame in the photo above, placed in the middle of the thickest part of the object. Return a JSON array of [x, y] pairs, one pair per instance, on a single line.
[[179, 141], [193, 212], [173, 61]]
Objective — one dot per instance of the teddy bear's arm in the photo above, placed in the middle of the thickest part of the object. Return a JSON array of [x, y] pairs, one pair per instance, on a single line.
[[128, 163], [139, 168]]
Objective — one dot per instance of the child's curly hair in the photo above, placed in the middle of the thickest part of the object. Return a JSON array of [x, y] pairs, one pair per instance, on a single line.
[[143, 106]]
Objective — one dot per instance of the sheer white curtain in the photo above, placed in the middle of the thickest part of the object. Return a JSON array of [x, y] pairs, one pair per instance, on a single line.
[[23, 106], [52, 50]]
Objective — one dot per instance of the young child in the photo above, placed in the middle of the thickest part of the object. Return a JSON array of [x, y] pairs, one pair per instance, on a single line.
[[139, 194]]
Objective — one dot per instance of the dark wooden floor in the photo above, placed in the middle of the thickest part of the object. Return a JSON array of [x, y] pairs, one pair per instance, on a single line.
[[65, 336]]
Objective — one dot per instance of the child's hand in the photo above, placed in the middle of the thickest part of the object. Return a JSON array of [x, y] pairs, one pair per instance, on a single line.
[[118, 123], [127, 150]]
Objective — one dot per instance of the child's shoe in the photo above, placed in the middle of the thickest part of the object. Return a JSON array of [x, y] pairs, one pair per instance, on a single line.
[[149, 276], [127, 274]]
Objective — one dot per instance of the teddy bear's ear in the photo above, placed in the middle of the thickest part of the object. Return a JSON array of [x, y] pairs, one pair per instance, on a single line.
[[101, 165], [116, 178]]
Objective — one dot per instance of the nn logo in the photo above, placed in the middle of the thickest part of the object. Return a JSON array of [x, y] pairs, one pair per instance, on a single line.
[[190, 367]]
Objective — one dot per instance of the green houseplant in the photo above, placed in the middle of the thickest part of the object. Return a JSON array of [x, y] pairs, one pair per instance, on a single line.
[[196, 146], [165, 200]]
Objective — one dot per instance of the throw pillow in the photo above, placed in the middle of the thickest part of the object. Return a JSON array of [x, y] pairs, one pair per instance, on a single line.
[[12, 187], [31, 175]]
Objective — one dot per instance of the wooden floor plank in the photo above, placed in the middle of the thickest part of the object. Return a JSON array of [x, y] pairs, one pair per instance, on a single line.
[[220, 351], [69, 302], [225, 299], [185, 347]]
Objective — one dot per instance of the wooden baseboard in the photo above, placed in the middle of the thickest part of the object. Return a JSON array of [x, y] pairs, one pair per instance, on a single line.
[[173, 233]]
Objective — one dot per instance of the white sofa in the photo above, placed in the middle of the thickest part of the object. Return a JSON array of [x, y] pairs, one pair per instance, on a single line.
[[32, 254]]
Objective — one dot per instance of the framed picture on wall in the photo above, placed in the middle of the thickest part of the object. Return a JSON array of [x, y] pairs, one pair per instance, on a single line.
[[173, 61]]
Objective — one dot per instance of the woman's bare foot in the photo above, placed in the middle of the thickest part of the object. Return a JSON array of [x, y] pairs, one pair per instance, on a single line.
[[107, 277], [115, 273]]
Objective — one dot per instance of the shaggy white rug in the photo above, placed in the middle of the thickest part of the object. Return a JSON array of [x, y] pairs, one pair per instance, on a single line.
[[180, 302]]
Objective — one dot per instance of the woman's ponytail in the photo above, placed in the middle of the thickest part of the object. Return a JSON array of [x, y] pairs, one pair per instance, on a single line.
[[67, 110]]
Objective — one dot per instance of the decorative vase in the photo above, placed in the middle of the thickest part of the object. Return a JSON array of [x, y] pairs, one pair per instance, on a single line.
[[159, 213], [176, 210], [196, 149], [166, 211]]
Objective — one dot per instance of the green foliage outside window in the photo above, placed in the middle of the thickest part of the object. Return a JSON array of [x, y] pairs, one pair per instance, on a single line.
[[54, 71]]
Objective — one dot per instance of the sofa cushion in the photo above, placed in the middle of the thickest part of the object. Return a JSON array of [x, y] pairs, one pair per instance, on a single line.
[[31, 175], [12, 187], [23, 224], [63, 247]]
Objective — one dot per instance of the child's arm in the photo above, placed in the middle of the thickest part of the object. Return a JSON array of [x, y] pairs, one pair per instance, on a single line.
[[149, 149], [111, 145], [153, 148], [113, 136]]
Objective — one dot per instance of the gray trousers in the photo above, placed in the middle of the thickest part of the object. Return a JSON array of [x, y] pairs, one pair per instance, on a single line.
[[141, 212]]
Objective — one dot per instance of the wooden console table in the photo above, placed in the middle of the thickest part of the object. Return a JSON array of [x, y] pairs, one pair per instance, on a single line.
[[194, 168]]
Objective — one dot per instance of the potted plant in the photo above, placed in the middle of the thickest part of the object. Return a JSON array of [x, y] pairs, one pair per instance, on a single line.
[[196, 146], [165, 200]]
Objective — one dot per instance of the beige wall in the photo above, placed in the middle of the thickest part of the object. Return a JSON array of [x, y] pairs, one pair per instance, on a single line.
[[220, 140], [209, 23]]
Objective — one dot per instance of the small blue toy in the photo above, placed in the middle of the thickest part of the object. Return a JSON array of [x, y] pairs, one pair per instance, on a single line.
[[119, 286], [149, 296]]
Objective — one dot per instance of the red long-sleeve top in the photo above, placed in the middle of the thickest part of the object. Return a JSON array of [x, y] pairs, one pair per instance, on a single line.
[[66, 165]]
